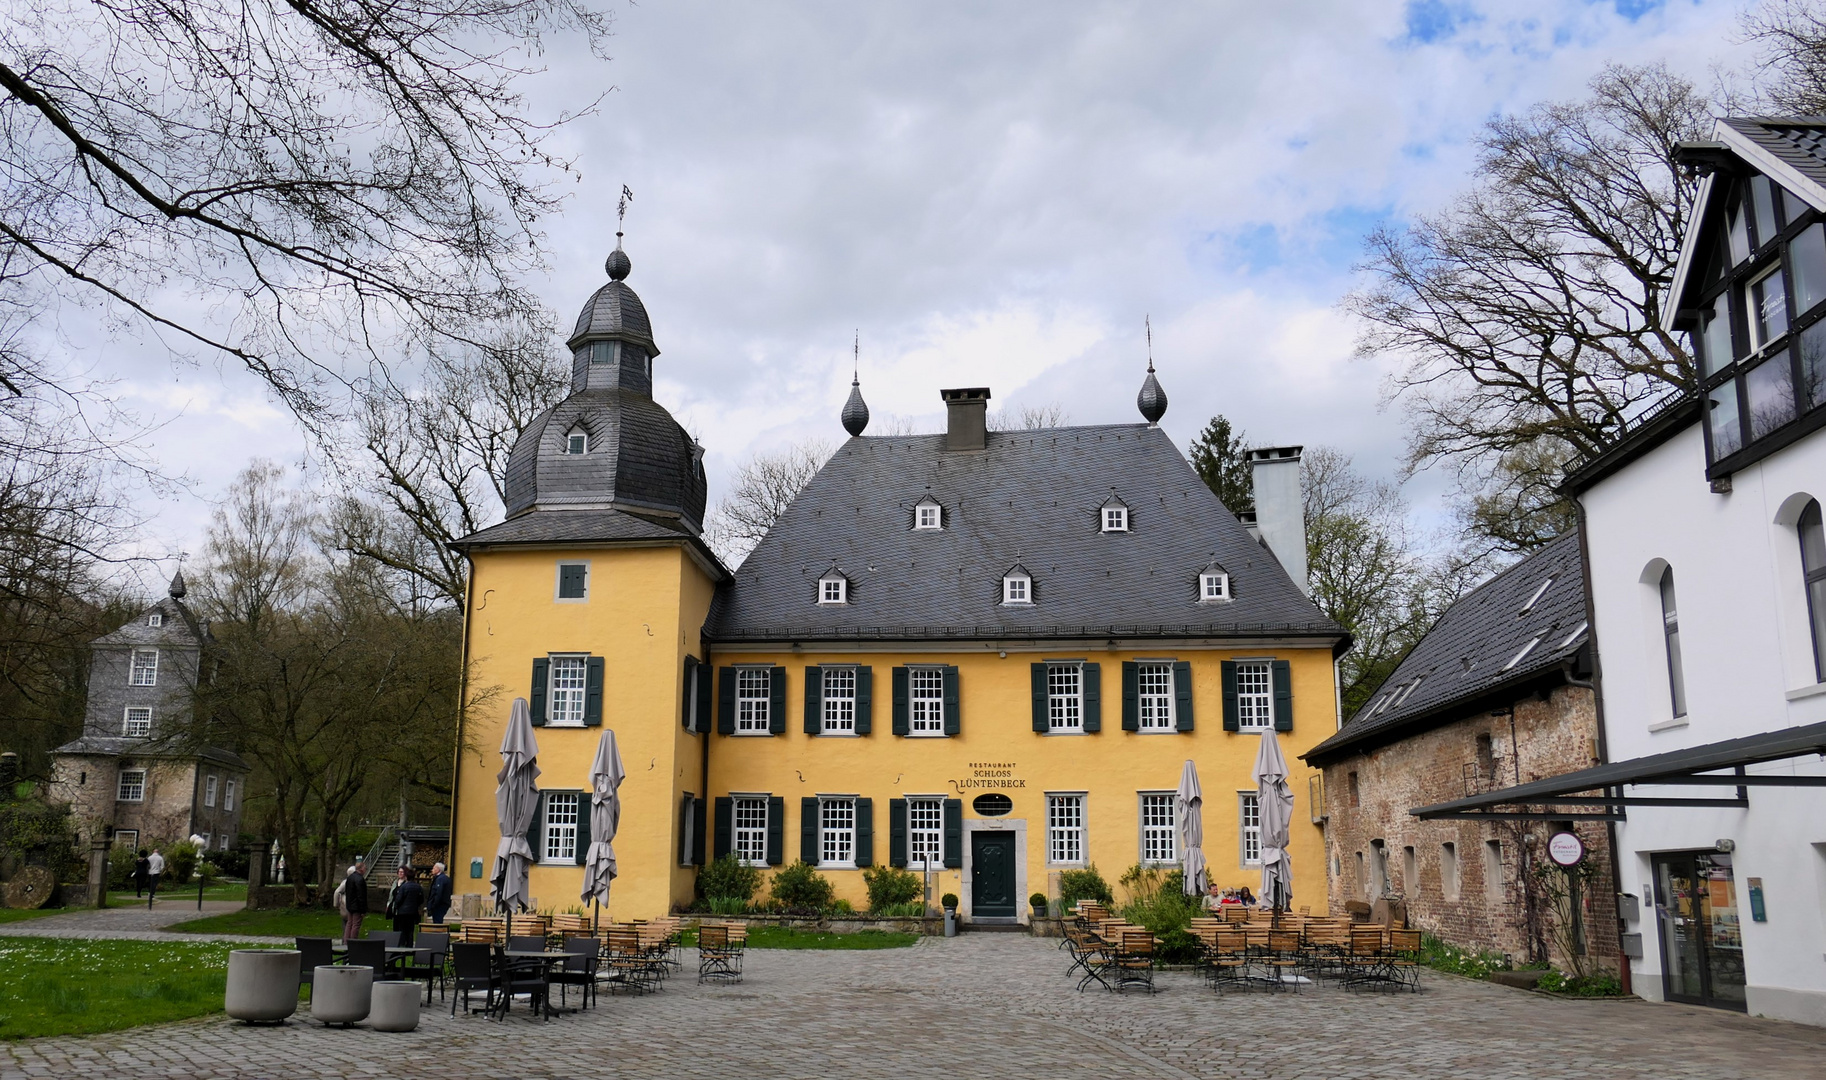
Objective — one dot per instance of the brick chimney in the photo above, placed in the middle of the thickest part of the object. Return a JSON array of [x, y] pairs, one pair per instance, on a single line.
[[966, 417]]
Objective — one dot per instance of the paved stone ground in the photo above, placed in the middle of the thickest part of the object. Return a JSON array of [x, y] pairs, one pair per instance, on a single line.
[[134, 922], [994, 1005]]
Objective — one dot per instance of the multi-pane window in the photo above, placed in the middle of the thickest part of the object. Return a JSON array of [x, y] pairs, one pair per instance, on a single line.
[[752, 697], [1670, 633], [832, 590], [1065, 829], [1213, 585], [837, 832], [209, 790], [1016, 589], [1159, 830], [1115, 519], [139, 722], [155, 619], [1065, 697], [1154, 686], [1254, 696], [145, 670], [926, 701], [228, 795], [926, 834], [576, 442], [1813, 572], [132, 785], [750, 828], [560, 827], [1249, 807], [839, 701], [926, 516], [564, 702]]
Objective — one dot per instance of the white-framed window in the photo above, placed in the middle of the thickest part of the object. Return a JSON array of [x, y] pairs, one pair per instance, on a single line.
[[1065, 697], [928, 515], [138, 722], [573, 582], [1154, 687], [1213, 586], [926, 701], [210, 784], [837, 832], [839, 695], [132, 786], [1670, 633], [1065, 829], [1017, 589], [155, 619], [564, 698], [926, 834], [753, 698], [222, 845], [750, 830], [228, 795], [560, 842], [1766, 308], [145, 669], [577, 442], [1115, 519], [1159, 827], [833, 589], [1254, 695], [1249, 814], [126, 838]]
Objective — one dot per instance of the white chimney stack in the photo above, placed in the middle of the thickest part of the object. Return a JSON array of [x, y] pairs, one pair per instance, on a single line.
[[1280, 513]]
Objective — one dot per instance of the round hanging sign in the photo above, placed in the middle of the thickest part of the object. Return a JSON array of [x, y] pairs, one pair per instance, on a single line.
[[1566, 849]]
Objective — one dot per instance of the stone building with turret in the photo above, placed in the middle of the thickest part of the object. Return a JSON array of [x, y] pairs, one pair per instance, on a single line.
[[124, 774]]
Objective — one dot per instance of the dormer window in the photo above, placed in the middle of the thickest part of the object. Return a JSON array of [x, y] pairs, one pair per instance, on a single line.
[[155, 619], [833, 588], [577, 442], [928, 515], [1017, 587], [1115, 516], [1213, 585]]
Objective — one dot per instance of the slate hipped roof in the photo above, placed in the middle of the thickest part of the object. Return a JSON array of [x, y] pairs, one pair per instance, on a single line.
[[1029, 498], [1466, 657]]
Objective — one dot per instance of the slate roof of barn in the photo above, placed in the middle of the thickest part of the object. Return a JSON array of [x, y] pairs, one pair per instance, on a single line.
[[1466, 656], [1029, 498]]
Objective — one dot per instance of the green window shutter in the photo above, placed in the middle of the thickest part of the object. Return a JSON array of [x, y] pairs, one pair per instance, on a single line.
[[865, 832], [592, 693], [688, 699], [954, 833], [814, 699], [542, 676], [535, 833], [1182, 695], [1227, 676], [776, 830], [1093, 697], [1131, 696], [865, 699], [1282, 672], [1041, 721], [951, 704], [583, 826], [900, 700], [725, 827], [697, 831], [684, 830], [808, 829], [725, 706], [706, 696], [897, 832], [776, 701]]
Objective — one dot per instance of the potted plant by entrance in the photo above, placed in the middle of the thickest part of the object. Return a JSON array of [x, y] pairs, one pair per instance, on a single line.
[[949, 903], [1038, 900]]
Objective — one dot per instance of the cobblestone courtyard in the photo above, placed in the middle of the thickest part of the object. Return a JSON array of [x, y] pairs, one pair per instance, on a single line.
[[992, 1005]]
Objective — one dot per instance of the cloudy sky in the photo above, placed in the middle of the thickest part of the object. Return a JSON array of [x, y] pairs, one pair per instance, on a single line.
[[999, 194]]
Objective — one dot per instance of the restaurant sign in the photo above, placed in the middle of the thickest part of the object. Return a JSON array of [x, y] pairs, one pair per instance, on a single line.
[[989, 774]]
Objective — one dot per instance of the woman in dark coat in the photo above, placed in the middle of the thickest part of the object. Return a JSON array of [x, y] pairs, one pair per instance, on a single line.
[[405, 903], [142, 873]]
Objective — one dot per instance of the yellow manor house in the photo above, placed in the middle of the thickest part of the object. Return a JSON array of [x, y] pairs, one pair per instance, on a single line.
[[982, 655]]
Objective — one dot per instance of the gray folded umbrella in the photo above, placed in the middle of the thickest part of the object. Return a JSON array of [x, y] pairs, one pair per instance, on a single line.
[[1275, 801], [1192, 832], [516, 801], [605, 818]]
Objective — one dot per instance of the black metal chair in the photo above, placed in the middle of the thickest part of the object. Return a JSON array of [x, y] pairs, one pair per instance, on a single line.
[[579, 969], [313, 953], [429, 962], [388, 938], [473, 968], [367, 952], [526, 944]]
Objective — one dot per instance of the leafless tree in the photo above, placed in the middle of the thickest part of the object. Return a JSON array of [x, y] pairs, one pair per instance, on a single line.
[[1526, 321], [760, 492], [1029, 418], [1792, 34]]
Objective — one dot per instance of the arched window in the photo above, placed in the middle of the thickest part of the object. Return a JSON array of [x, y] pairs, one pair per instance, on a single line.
[[1670, 629], [1813, 572]]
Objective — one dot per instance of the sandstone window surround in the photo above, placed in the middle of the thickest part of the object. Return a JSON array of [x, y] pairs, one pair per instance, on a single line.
[[1065, 829], [144, 670], [1159, 828], [562, 810], [750, 832], [925, 833], [837, 831], [1249, 816]]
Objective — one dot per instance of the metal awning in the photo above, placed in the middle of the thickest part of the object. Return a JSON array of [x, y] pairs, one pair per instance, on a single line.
[[1596, 794]]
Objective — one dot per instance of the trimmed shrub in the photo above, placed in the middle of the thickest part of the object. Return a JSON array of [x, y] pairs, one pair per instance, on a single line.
[[1085, 884], [891, 886], [180, 860], [802, 887], [948, 900], [728, 878]]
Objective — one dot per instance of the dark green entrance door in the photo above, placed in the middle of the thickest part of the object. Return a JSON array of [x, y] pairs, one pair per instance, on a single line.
[[992, 875]]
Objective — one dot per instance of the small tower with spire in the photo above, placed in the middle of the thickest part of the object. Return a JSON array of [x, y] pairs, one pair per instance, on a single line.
[[856, 411], [1152, 401]]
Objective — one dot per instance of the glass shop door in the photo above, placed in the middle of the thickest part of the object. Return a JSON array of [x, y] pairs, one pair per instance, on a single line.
[[1702, 952]]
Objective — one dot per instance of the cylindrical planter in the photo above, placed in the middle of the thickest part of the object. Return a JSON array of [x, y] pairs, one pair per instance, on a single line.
[[395, 1006], [340, 995], [262, 985], [950, 922]]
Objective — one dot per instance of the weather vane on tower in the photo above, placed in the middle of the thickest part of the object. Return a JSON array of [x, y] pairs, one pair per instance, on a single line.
[[621, 212]]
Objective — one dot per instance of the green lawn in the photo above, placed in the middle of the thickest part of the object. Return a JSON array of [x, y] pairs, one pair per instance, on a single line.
[[8, 915], [279, 922], [56, 986], [792, 937], [221, 890]]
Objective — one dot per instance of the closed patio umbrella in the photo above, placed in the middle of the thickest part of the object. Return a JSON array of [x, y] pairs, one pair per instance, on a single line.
[[516, 801], [605, 818], [1192, 832], [1274, 801]]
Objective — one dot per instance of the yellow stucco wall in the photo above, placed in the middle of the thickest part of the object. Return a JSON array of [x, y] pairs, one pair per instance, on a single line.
[[1112, 767], [643, 614]]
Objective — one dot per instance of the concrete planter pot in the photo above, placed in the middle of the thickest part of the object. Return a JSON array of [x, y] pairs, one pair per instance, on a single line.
[[341, 995], [395, 1004], [262, 985], [950, 922]]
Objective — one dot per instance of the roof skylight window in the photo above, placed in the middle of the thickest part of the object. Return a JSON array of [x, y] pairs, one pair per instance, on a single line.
[[1536, 598], [1574, 636], [1526, 649]]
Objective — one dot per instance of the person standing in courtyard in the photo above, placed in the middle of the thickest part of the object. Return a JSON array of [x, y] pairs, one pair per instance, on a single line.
[[155, 867], [354, 900], [405, 903], [438, 904], [142, 873]]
